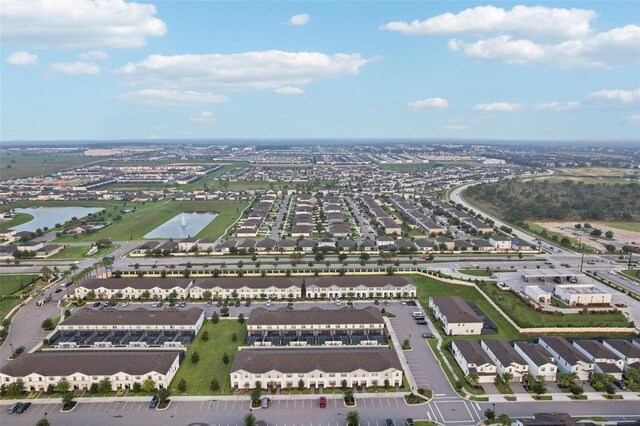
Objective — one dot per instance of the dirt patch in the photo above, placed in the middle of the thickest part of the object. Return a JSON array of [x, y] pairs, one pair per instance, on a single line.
[[620, 237], [598, 171]]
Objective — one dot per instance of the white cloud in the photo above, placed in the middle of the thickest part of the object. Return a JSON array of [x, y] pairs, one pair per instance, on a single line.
[[497, 107], [601, 99], [93, 55], [536, 21], [78, 23], [633, 118], [289, 90], [75, 68], [22, 59], [299, 20], [270, 69], [204, 117], [168, 97], [431, 103], [615, 48], [456, 127]]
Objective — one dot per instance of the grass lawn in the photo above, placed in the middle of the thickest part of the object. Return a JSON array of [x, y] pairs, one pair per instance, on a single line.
[[13, 283], [19, 219], [79, 252], [198, 376], [150, 215], [475, 272], [424, 423], [38, 164], [525, 316], [634, 274], [625, 226], [415, 232], [428, 286]]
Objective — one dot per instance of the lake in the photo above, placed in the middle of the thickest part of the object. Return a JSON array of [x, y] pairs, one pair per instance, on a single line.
[[49, 216], [183, 225]]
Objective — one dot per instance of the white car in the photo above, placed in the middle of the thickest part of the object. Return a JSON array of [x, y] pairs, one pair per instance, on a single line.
[[337, 303], [268, 302], [125, 304]]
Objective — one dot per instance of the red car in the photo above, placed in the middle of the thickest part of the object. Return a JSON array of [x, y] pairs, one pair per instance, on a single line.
[[323, 402], [219, 303]]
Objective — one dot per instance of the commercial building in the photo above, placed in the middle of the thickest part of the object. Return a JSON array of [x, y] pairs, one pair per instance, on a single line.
[[316, 368], [581, 294], [456, 316], [81, 369], [537, 294]]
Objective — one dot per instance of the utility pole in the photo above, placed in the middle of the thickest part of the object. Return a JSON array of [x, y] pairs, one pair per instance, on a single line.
[[629, 264], [580, 248]]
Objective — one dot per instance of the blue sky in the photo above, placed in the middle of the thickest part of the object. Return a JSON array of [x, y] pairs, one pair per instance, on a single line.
[[77, 69]]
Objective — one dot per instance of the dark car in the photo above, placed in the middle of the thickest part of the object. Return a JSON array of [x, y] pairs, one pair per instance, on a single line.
[[154, 402], [96, 304], [620, 384], [23, 407], [323, 402], [159, 304], [247, 302], [237, 303], [13, 407], [421, 322], [390, 422], [225, 303], [219, 303], [376, 302], [427, 336], [409, 421]]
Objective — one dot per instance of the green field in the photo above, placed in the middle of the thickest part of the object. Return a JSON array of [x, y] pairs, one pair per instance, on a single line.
[[625, 226], [475, 272], [39, 164], [150, 215], [19, 219], [432, 287], [634, 274], [525, 316], [198, 376], [10, 288], [79, 252]]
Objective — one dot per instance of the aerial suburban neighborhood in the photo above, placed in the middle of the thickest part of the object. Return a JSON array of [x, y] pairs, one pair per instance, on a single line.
[[407, 213]]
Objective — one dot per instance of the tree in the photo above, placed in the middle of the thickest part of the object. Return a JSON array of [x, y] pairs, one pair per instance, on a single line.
[[205, 336], [206, 295], [67, 401], [504, 419], [241, 318], [234, 337], [62, 386], [608, 234], [104, 386], [137, 387], [163, 396], [249, 419], [214, 385], [148, 385], [353, 418], [300, 385], [472, 378], [565, 379], [225, 358], [16, 388], [632, 375], [489, 414], [47, 324], [506, 376], [43, 422], [182, 385], [539, 388], [576, 390], [348, 397], [195, 357], [255, 397], [215, 318]]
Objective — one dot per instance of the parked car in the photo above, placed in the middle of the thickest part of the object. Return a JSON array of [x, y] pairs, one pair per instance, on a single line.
[[390, 422], [268, 302], [265, 402], [106, 304], [620, 384], [427, 336], [125, 304], [237, 303], [23, 407], [182, 304], [225, 302], [402, 302], [386, 303], [209, 304], [323, 402], [337, 303], [409, 421], [421, 322], [154, 402], [96, 304], [247, 302], [12, 408], [376, 302], [219, 304]]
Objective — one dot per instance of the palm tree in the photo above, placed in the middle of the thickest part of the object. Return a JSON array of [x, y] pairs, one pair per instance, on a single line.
[[472, 378], [565, 379], [46, 273], [353, 418]]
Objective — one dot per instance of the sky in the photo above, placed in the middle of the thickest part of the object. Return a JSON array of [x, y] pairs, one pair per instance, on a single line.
[[114, 69]]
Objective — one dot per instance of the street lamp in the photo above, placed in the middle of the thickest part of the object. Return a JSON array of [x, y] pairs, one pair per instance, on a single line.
[[13, 353]]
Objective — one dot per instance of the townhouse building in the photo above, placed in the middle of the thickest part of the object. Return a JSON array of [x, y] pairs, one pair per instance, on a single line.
[[505, 358], [134, 288], [541, 363], [568, 358], [472, 359], [456, 316]]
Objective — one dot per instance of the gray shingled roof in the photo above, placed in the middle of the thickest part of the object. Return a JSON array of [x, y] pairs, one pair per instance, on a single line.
[[535, 352], [64, 363], [253, 282], [472, 352], [140, 316], [307, 360], [346, 315], [504, 352], [354, 281], [141, 283], [455, 309]]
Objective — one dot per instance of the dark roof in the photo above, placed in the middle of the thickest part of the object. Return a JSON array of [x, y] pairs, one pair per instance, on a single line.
[[307, 360], [140, 316], [252, 282], [98, 363], [504, 352], [455, 309], [625, 347], [595, 349], [346, 315], [472, 352], [355, 280], [535, 353], [143, 283], [564, 349]]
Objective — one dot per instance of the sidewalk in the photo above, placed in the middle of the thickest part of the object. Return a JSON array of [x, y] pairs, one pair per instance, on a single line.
[[591, 396]]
